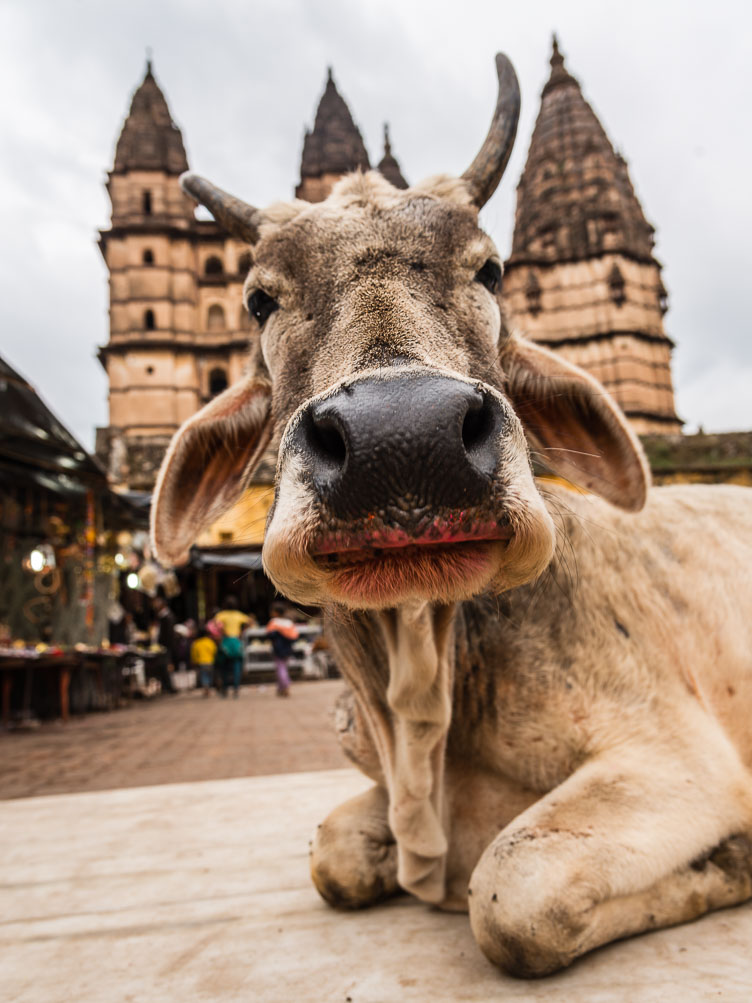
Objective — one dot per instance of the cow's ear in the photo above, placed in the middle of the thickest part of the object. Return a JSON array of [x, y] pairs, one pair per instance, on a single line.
[[575, 425], [207, 466]]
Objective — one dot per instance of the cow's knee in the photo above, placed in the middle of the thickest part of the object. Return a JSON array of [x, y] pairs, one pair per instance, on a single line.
[[524, 920], [353, 853]]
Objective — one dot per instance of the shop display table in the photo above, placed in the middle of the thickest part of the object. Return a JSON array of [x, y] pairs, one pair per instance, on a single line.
[[258, 659], [13, 663], [99, 672]]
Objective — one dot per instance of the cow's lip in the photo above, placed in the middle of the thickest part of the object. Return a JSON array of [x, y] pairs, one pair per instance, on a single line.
[[374, 577], [341, 549]]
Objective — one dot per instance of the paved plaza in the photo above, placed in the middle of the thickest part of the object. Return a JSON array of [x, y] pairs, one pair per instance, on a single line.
[[173, 739]]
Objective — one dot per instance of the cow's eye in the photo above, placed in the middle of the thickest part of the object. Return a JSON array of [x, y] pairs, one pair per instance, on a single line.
[[490, 276], [261, 306]]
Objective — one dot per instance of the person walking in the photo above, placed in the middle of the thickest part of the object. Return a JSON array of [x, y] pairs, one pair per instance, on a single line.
[[232, 623], [282, 632], [203, 653], [164, 629]]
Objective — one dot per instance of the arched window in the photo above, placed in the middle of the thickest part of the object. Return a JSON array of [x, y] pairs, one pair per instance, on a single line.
[[215, 318], [149, 322], [662, 297], [245, 320], [146, 203], [213, 266], [244, 264], [217, 382], [148, 257], [533, 294], [616, 285]]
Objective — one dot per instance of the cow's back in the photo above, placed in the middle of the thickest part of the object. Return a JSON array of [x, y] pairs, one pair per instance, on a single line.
[[708, 575], [638, 615]]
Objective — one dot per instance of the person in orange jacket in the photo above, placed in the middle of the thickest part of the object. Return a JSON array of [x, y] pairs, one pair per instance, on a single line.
[[282, 632]]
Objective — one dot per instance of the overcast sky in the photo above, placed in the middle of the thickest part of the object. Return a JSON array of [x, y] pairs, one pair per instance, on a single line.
[[670, 81]]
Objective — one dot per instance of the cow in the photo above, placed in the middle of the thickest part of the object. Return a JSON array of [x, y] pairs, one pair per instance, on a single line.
[[549, 679]]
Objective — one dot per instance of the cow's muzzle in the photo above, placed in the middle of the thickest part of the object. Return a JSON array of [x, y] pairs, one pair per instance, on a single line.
[[397, 447]]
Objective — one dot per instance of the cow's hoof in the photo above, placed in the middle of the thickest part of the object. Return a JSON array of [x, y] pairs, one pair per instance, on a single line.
[[353, 854], [528, 935]]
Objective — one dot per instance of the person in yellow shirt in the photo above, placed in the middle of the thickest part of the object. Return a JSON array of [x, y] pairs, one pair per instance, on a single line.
[[203, 654], [230, 662], [232, 620]]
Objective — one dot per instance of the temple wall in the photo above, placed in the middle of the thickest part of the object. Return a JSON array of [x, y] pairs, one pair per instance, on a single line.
[[166, 200], [576, 301], [316, 189], [604, 314]]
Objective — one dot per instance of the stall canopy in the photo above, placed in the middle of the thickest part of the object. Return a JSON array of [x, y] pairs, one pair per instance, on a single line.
[[247, 560], [36, 449]]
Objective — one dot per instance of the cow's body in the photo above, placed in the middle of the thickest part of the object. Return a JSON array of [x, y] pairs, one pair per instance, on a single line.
[[628, 666], [552, 694]]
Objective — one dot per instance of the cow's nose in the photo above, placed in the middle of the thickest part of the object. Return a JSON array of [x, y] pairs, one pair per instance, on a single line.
[[401, 444]]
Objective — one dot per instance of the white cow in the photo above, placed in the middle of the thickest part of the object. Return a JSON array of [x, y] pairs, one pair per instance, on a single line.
[[550, 689]]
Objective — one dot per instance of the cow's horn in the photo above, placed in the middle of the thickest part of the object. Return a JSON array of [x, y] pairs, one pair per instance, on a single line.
[[484, 174], [238, 217]]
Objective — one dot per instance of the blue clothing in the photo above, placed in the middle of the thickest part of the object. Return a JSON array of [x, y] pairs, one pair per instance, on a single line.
[[232, 672], [281, 645]]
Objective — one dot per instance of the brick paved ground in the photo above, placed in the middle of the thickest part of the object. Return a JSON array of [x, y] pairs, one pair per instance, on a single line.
[[176, 738]]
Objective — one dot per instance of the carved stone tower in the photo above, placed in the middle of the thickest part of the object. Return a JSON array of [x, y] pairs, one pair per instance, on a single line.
[[388, 165], [176, 320], [581, 278], [332, 149]]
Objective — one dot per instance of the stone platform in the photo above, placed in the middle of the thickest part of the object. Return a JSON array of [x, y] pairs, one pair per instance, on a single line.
[[200, 892]]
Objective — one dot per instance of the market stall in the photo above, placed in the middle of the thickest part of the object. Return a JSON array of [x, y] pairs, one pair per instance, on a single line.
[[60, 563]]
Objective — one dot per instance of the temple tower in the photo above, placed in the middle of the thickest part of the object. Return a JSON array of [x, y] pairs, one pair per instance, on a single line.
[[333, 148], [388, 165], [176, 318], [581, 278]]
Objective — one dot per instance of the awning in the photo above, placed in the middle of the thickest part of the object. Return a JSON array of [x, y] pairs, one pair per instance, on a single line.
[[248, 560]]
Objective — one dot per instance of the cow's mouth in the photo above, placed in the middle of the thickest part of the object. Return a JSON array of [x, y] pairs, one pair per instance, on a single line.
[[342, 559], [392, 566]]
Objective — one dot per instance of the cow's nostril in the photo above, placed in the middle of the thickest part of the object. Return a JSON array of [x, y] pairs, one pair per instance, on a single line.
[[480, 431], [478, 424], [400, 441], [328, 440]]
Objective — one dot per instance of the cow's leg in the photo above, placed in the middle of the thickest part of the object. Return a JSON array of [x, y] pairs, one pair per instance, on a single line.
[[353, 853], [355, 736], [623, 846]]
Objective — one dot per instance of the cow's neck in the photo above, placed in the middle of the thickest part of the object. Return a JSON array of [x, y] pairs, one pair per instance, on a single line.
[[411, 737]]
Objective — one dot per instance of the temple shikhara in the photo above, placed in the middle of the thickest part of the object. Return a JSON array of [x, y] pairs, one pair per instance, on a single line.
[[581, 278], [176, 323]]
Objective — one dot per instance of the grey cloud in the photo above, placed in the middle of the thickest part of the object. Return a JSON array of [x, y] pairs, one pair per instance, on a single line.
[[243, 78]]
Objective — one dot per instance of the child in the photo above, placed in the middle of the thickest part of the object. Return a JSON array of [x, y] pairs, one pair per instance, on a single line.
[[203, 653]]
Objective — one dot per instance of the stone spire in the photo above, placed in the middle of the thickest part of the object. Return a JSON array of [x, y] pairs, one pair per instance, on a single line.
[[575, 198], [559, 74], [334, 147], [582, 279], [150, 140], [388, 165]]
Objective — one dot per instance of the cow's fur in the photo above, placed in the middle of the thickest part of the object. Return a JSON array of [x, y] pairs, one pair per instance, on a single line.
[[596, 779], [557, 726]]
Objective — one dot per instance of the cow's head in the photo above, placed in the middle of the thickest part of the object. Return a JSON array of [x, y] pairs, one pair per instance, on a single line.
[[381, 362]]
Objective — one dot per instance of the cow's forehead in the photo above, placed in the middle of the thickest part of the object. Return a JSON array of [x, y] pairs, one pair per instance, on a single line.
[[418, 229]]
